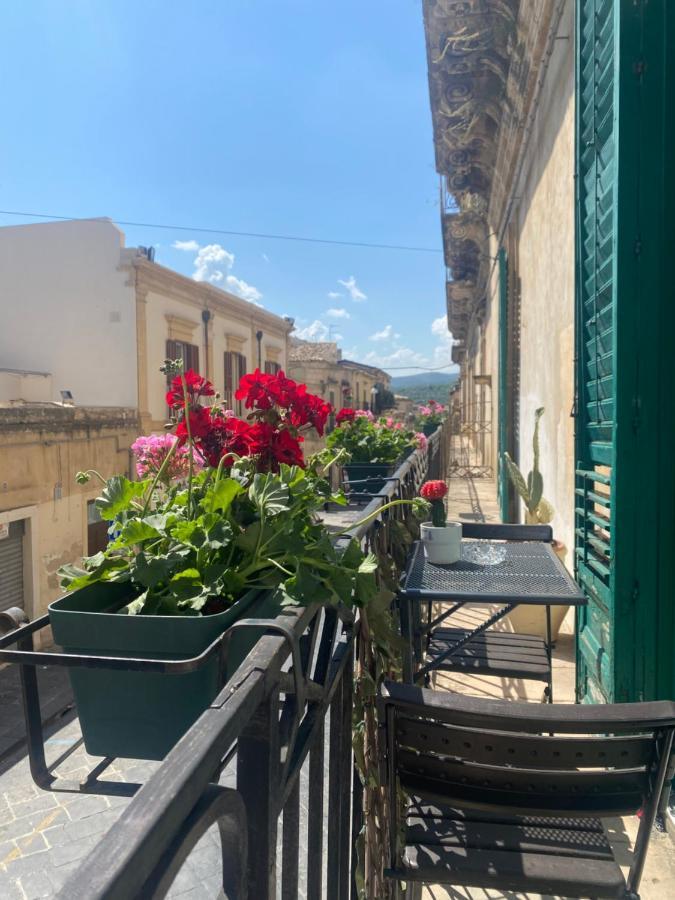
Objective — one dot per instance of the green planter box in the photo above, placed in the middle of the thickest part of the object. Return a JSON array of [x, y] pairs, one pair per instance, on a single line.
[[376, 472], [142, 715], [428, 430]]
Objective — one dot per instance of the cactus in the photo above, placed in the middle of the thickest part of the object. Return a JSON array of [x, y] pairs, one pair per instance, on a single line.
[[538, 509]]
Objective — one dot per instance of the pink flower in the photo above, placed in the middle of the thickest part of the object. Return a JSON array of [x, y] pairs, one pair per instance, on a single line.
[[152, 450], [421, 440], [398, 426], [365, 414]]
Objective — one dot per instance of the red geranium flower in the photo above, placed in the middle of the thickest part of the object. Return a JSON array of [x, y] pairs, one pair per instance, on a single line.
[[434, 490], [345, 415], [196, 385], [200, 424], [226, 436], [254, 390]]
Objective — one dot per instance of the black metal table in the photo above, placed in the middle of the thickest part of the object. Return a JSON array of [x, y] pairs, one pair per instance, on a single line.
[[530, 574]]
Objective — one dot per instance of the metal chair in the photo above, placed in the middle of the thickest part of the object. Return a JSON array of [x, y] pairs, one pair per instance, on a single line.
[[498, 654], [511, 796]]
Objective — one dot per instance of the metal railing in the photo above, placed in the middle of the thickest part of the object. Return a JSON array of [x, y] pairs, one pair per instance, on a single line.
[[280, 730]]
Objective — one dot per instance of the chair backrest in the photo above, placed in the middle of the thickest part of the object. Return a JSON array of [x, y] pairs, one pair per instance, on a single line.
[[498, 532], [530, 759]]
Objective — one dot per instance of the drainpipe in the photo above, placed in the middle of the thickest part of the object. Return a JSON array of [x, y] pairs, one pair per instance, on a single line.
[[259, 337], [206, 318]]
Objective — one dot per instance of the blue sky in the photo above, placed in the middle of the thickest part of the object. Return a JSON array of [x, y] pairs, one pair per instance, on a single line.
[[297, 117]]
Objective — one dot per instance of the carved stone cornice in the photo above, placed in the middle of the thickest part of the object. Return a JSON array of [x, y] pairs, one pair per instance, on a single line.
[[469, 46]]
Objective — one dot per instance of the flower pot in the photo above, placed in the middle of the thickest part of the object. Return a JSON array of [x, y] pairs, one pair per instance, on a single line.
[[428, 429], [376, 473], [442, 545], [532, 619], [142, 715]]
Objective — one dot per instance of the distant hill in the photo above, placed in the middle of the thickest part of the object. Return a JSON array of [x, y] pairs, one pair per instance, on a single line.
[[425, 386]]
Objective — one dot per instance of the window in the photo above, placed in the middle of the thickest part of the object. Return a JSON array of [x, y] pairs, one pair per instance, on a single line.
[[189, 353], [271, 368], [97, 529], [235, 368]]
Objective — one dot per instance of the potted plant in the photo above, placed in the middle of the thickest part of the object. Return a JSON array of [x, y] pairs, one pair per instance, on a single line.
[[538, 511], [430, 416], [373, 447], [221, 525], [441, 539]]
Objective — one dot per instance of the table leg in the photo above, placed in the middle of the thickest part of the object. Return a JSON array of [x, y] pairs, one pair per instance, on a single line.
[[405, 613]]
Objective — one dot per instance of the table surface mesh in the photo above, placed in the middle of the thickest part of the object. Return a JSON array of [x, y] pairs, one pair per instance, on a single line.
[[530, 569]]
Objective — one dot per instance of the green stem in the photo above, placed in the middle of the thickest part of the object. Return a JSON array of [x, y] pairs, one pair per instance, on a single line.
[[160, 472], [97, 474], [373, 515], [186, 413]]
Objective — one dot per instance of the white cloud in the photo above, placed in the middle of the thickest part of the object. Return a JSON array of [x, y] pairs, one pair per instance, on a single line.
[[353, 290], [265, 257], [210, 262], [315, 331], [242, 289], [334, 295], [387, 334], [404, 360], [213, 264], [337, 313]]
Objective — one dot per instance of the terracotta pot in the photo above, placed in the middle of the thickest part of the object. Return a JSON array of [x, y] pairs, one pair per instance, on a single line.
[[532, 619]]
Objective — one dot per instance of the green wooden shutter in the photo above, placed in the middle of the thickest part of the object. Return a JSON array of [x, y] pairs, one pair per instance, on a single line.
[[624, 485], [502, 400]]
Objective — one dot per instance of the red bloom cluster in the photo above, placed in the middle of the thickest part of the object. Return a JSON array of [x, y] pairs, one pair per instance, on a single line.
[[434, 490], [271, 433], [262, 392], [345, 415], [195, 385]]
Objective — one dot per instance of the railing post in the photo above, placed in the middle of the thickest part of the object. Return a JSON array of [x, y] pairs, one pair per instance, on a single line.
[[258, 774], [340, 786]]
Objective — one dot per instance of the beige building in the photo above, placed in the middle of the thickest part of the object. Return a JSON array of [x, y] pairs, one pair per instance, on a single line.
[[343, 382], [501, 79], [87, 323], [46, 519]]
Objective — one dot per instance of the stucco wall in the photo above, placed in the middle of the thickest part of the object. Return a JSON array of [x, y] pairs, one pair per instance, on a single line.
[[68, 309], [41, 449], [545, 222]]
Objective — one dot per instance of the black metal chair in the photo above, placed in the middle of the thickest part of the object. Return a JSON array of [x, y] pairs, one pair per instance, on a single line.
[[499, 654], [510, 795]]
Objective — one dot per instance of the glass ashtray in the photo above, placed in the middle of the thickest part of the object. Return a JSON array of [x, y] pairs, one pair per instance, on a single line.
[[484, 554]]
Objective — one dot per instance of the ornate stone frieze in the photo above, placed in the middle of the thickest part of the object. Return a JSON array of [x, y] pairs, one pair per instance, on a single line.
[[468, 50]]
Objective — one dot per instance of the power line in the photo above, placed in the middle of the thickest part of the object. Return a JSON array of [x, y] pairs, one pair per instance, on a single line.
[[200, 229]]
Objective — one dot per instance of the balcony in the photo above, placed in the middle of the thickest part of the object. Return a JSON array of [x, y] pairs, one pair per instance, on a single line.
[[261, 797]]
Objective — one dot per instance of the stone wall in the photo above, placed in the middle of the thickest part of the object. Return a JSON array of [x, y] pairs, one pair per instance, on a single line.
[[41, 449]]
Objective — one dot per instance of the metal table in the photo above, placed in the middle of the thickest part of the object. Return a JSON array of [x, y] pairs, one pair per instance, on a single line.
[[530, 574]]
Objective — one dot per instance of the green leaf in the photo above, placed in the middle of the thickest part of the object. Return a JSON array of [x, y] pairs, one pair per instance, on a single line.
[[369, 564], [136, 606], [151, 570], [117, 496], [269, 494], [219, 498], [135, 532], [352, 556]]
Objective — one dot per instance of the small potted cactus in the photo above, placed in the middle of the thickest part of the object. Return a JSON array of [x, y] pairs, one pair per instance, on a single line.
[[538, 511], [441, 539]]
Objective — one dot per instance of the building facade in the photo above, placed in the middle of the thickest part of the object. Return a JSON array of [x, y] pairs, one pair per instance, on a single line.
[[87, 323], [550, 129], [46, 519]]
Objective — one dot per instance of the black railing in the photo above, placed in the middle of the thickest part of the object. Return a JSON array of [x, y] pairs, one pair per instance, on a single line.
[[279, 731]]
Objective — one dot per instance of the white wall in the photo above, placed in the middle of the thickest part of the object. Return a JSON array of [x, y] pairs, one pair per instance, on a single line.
[[66, 309], [546, 268]]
